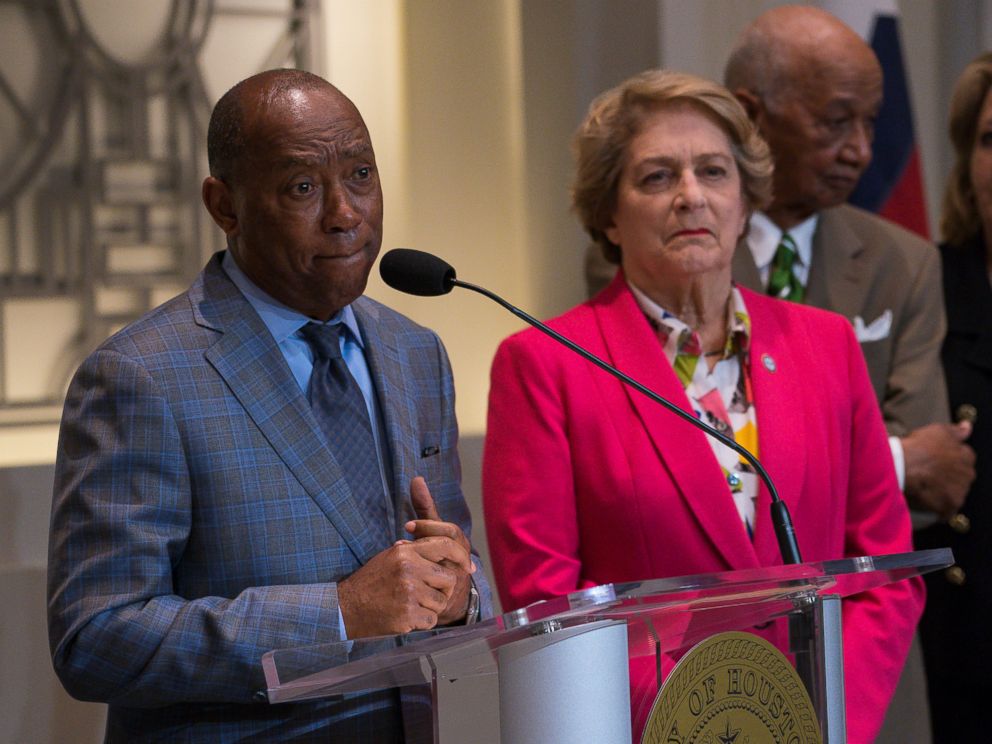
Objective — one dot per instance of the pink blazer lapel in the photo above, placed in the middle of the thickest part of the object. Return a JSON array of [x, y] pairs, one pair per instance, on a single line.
[[781, 424], [684, 450]]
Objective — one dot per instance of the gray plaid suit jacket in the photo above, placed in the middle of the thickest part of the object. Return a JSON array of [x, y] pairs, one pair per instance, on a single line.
[[199, 521]]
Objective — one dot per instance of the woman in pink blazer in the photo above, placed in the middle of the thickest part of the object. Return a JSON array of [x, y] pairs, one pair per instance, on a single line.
[[587, 482]]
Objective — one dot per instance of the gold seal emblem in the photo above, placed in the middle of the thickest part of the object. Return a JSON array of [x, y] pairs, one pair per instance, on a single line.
[[733, 688]]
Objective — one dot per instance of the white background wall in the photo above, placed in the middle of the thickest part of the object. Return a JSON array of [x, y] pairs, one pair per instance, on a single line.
[[471, 104]]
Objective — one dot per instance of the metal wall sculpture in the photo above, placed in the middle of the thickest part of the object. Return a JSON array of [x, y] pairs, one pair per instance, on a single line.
[[101, 160]]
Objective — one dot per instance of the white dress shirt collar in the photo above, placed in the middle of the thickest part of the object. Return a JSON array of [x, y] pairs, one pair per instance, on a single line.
[[764, 236]]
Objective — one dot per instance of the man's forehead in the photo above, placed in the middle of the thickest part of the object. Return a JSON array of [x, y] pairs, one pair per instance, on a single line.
[[301, 120], [836, 86]]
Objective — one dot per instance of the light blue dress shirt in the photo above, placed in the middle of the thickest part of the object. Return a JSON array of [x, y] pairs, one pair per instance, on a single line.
[[284, 324]]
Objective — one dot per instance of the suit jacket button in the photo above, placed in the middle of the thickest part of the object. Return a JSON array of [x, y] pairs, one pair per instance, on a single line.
[[260, 696], [966, 412], [955, 575], [960, 523]]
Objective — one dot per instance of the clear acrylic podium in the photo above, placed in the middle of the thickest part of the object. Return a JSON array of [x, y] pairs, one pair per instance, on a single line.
[[557, 670]]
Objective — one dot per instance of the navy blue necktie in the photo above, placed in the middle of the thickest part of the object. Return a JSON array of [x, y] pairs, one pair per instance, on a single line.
[[340, 408]]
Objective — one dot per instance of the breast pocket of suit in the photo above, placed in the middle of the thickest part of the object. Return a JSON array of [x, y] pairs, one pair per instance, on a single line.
[[429, 464]]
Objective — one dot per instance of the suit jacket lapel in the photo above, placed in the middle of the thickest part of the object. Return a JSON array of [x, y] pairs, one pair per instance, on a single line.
[[684, 450], [781, 424], [836, 281], [247, 358]]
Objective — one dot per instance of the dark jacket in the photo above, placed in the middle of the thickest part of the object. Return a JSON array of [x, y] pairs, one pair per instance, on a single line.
[[955, 625]]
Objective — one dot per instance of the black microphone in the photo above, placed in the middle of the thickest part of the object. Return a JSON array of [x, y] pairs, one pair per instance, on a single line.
[[416, 272], [426, 275]]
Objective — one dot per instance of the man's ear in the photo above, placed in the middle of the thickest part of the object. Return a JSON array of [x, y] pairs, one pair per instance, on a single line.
[[219, 201], [751, 102]]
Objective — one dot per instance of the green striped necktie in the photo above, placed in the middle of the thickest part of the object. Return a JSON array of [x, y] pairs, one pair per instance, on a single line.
[[782, 281]]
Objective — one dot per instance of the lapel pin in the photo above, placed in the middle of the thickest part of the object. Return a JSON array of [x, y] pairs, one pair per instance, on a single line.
[[769, 363]]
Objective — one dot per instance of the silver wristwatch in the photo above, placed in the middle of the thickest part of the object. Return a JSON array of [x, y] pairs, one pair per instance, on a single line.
[[474, 603]]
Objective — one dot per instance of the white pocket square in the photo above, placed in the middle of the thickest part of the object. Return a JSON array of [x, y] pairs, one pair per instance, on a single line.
[[874, 331]]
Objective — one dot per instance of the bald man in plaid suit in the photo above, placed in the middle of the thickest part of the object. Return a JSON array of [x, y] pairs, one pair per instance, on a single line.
[[208, 507]]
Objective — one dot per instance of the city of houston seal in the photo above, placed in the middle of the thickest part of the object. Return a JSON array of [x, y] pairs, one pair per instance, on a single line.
[[733, 688]]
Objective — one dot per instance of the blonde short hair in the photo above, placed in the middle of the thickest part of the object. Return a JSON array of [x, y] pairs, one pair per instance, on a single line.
[[614, 119], [959, 220]]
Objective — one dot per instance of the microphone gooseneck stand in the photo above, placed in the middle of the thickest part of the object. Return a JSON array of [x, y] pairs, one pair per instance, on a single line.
[[426, 275]]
